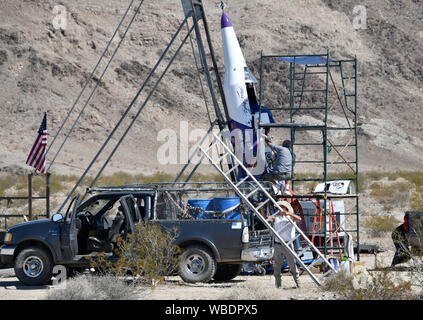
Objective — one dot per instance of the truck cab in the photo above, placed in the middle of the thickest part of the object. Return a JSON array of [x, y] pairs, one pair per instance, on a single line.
[[33, 248]]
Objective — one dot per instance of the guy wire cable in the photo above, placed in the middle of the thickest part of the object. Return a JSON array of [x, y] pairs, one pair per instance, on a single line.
[[91, 76], [96, 85], [142, 107], [123, 116]]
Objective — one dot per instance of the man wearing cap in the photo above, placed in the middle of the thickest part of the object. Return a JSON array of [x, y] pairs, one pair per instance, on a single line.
[[286, 231]]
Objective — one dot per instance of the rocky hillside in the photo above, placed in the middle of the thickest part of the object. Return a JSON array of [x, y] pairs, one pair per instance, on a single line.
[[42, 69]]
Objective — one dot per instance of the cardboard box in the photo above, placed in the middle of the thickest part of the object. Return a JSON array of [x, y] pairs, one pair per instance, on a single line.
[[357, 266]]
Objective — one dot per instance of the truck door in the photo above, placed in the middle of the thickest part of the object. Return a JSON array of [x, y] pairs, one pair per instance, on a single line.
[[132, 214], [69, 234], [132, 207]]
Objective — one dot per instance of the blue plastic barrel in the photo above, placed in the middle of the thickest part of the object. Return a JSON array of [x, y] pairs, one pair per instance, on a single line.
[[205, 204], [223, 203], [220, 204]]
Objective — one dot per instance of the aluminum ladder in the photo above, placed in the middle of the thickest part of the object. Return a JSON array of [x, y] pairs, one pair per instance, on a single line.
[[227, 152]]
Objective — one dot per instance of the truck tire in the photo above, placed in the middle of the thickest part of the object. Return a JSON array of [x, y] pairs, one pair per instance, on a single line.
[[197, 264], [33, 266], [226, 272]]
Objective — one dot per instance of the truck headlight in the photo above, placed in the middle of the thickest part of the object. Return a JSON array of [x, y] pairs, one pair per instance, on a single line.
[[8, 237]]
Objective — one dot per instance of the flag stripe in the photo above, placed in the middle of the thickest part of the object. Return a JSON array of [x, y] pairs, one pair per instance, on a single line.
[[37, 155], [31, 154], [41, 157]]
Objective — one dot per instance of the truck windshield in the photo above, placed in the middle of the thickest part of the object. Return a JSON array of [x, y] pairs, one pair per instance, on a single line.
[[96, 206]]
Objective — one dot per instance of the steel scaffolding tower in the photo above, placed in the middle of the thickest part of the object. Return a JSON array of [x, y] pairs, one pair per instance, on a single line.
[[308, 106]]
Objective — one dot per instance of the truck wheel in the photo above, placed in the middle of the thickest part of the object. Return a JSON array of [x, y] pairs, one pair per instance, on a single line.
[[226, 272], [197, 265], [33, 266]]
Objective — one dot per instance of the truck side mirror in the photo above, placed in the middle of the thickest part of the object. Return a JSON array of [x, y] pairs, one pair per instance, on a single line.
[[57, 217]]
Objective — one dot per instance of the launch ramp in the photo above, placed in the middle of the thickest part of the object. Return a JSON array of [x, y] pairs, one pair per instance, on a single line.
[[246, 195]]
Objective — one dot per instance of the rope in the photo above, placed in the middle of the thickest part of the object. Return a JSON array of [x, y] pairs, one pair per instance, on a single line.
[[97, 84], [143, 105], [128, 128], [90, 77], [199, 78]]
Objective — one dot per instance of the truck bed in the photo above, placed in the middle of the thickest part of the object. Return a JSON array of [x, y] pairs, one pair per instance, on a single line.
[[222, 237]]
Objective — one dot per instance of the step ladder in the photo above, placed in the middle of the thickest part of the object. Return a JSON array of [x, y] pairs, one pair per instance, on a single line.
[[227, 152]]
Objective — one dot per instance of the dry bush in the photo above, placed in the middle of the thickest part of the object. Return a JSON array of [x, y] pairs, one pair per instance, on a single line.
[[392, 195], [253, 292], [147, 256], [380, 225], [416, 198], [89, 287], [122, 178], [384, 285]]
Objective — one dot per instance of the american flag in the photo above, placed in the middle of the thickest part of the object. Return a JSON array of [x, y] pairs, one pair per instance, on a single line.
[[37, 156]]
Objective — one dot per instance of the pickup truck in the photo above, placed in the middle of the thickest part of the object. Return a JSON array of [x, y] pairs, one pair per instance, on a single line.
[[211, 248], [408, 237]]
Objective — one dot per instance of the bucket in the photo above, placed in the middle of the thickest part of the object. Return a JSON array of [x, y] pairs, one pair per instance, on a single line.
[[204, 204], [346, 266], [335, 263]]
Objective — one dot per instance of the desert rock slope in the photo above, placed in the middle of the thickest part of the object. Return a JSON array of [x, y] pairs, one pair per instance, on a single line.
[[43, 69]]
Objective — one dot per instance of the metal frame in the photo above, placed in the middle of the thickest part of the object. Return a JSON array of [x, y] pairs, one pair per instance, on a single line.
[[30, 198], [349, 108]]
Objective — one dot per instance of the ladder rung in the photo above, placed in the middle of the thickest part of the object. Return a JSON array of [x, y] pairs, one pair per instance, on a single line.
[[231, 169], [209, 148], [310, 90], [262, 204], [252, 192], [295, 238], [242, 181], [222, 157]]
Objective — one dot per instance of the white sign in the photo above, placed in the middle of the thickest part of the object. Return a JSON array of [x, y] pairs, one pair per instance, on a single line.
[[336, 187]]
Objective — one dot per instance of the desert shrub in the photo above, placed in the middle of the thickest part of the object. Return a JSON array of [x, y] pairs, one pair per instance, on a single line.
[[3, 57], [379, 225], [90, 287], [253, 292], [416, 199], [148, 255], [121, 178], [339, 283], [383, 285], [390, 196]]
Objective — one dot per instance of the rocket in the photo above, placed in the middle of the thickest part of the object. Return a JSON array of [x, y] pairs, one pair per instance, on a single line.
[[241, 97], [237, 74]]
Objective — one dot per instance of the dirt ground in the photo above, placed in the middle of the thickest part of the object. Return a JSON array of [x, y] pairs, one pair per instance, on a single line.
[[241, 288]]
